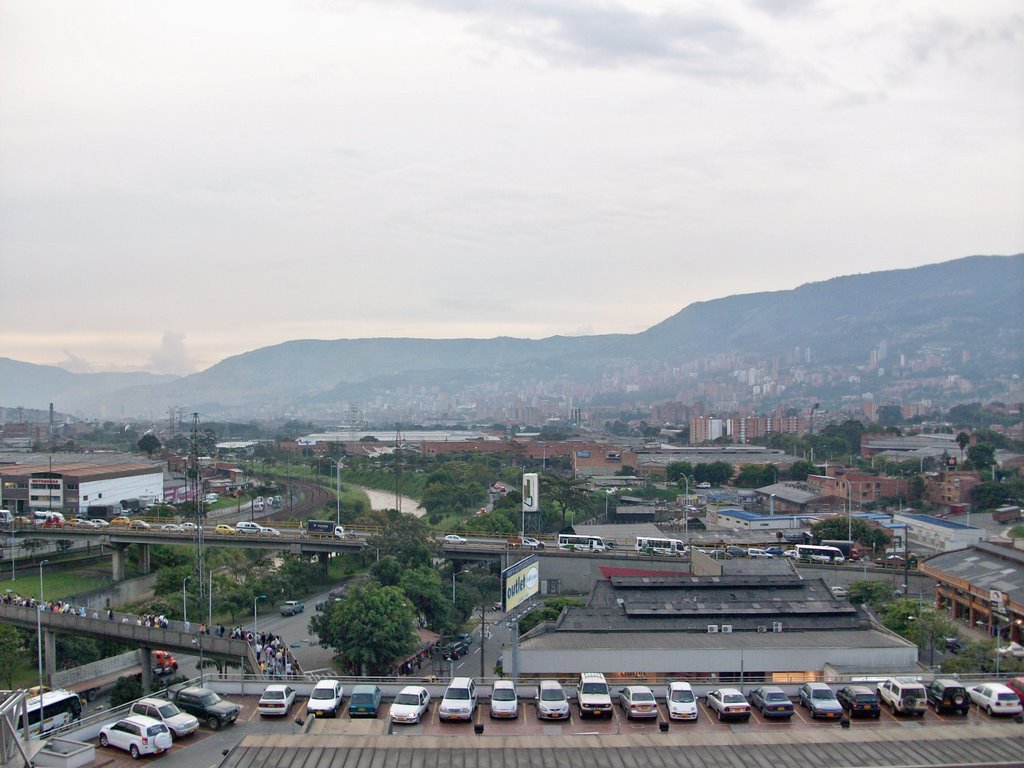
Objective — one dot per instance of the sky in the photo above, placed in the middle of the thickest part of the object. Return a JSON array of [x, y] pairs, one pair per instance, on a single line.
[[185, 181]]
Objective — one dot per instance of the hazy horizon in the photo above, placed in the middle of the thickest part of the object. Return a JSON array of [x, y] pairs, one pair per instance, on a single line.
[[186, 182]]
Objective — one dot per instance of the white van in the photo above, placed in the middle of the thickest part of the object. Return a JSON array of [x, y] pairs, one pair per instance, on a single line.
[[6, 518]]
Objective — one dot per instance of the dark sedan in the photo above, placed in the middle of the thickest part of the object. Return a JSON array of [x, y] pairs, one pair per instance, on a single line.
[[771, 701], [859, 701]]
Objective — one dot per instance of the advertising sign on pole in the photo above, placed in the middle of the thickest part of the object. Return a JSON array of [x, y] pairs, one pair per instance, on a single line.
[[531, 492], [520, 582]]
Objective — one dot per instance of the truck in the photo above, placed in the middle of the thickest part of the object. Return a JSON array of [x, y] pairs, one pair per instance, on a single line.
[[163, 663], [103, 511], [1010, 514], [324, 528], [291, 607]]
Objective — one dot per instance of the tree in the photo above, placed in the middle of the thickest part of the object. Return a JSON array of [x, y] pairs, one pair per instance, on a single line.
[[125, 689], [10, 650], [981, 456], [372, 628], [149, 444], [874, 592], [404, 537], [755, 476], [387, 571], [963, 440], [715, 472], [675, 471], [890, 415], [839, 527], [426, 593], [568, 494], [799, 470]]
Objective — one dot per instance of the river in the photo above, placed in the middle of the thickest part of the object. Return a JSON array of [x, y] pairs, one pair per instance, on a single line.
[[386, 500]]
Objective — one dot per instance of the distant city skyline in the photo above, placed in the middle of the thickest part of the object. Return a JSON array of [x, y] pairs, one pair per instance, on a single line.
[[180, 183]]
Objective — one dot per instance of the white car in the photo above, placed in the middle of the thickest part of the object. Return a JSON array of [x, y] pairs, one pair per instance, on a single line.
[[170, 528], [552, 703], [246, 526], [756, 553], [682, 704], [454, 538], [792, 554], [839, 591], [325, 700], [410, 704], [459, 702], [137, 735], [268, 531], [995, 699], [531, 543], [728, 704], [703, 485], [276, 700], [504, 700], [188, 527], [167, 712]]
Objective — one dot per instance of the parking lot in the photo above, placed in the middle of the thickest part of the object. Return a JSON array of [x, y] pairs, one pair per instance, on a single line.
[[205, 746]]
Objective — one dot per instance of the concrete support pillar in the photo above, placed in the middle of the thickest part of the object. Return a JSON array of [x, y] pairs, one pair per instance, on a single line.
[[147, 670], [144, 565], [50, 656], [118, 551]]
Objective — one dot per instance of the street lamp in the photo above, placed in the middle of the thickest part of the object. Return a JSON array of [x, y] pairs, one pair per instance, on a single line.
[[255, 618], [39, 632], [454, 574], [184, 603], [337, 493]]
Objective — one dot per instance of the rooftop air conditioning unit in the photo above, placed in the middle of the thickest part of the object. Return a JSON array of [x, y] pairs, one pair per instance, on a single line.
[[727, 627], [712, 628], [776, 626], [762, 628]]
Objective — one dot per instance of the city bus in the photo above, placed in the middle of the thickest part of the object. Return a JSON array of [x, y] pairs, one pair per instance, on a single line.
[[55, 710], [656, 546], [819, 554], [573, 541]]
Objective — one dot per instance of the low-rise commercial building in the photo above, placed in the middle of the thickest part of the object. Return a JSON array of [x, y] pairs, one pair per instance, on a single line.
[[937, 534], [746, 627], [71, 487], [982, 586]]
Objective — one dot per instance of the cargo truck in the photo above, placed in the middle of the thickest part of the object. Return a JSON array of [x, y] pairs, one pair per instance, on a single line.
[[325, 528]]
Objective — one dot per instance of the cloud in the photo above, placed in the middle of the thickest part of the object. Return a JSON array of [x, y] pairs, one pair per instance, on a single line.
[[612, 34], [171, 356], [74, 363]]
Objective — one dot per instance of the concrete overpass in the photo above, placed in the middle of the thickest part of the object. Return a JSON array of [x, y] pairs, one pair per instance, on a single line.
[[175, 638]]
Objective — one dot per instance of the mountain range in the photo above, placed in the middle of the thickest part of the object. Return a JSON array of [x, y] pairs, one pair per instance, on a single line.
[[973, 304]]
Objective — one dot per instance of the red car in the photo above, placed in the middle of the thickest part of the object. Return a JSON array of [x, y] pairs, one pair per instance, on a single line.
[[1017, 686]]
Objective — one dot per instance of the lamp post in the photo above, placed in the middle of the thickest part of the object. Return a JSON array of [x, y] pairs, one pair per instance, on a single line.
[[337, 466], [39, 632], [454, 574], [255, 617], [184, 602]]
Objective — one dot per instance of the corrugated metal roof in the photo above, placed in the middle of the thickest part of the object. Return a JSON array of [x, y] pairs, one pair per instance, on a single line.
[[662, 640], [985, 566], [991, 745]]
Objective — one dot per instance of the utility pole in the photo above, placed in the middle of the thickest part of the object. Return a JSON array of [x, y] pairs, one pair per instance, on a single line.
[[483, 637]]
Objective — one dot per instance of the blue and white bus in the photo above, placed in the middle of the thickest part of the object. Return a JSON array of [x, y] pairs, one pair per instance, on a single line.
[[52, 710]]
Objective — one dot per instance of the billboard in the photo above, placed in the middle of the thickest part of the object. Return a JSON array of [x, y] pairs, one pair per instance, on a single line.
[[520, 582], [531, 492]]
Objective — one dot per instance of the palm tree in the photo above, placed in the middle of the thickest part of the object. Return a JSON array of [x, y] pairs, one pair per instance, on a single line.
[[963, 440]]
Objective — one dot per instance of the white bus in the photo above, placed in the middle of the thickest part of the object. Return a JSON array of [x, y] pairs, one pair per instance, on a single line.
[[657, 546], [573, 541], [57, 709], [820, 554]]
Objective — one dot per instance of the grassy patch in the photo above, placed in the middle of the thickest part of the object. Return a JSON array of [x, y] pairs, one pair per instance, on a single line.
[[56, 585], [1017, 532]]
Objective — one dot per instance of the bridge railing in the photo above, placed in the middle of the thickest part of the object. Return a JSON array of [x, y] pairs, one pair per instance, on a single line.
[[13, 743], [171, 638]]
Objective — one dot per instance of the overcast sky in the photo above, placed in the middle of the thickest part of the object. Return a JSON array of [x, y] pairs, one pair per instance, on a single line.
[[184, 181]]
